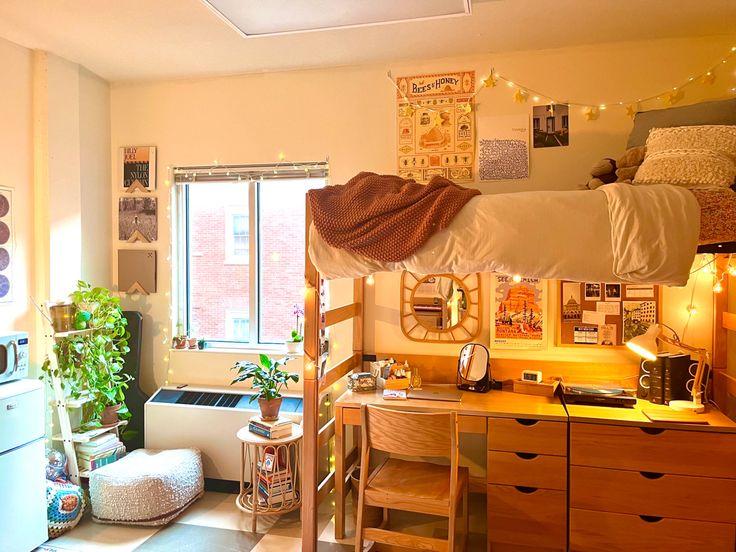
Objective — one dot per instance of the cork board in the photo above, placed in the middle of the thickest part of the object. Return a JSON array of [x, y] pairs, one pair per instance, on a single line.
[[605, 314]]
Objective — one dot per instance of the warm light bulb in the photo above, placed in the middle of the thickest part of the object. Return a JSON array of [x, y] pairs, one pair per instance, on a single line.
[[535, 98], [282, 156], [370, 280], [717, 288], [692, 310], [510, 84], [732, 270], [516, 278], [602, 106]]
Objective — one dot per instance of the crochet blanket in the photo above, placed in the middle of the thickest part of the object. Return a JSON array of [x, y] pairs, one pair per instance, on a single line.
[[385, 217]]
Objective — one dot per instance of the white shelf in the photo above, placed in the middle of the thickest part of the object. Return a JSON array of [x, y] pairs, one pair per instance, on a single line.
[[85, 436], [72, 403], [73, 333]]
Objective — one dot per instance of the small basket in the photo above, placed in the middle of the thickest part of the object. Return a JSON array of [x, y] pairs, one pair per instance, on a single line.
[[361, 382]]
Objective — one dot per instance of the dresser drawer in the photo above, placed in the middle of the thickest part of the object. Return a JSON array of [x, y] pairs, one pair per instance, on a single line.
[[527, 516], [653, 494], [607, 532], [656, 450], [527, 469], [524, 435]]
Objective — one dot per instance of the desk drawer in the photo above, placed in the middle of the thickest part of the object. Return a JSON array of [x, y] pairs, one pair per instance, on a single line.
[[606, 532], [529, 470], [652, 494], [525, 435], [681, 452], [527, 517]]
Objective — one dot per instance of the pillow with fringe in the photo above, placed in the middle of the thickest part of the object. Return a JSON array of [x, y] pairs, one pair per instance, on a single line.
[[718, 138], [692, 168]]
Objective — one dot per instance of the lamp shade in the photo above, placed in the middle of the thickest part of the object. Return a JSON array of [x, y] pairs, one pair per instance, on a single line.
[[645, 345]]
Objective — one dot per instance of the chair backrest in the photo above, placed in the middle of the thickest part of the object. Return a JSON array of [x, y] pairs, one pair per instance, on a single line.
[[410, 433]]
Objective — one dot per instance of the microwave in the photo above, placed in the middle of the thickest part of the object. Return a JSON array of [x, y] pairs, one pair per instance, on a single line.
[[13, 356]]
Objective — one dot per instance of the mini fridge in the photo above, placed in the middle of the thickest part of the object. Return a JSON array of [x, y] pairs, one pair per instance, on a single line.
[[22, 466]]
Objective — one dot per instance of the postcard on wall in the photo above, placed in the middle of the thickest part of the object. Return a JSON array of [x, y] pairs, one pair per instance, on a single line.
[[640, 291], [571, 307], [611, 308], [503, 147], [6, 245], [612, 292], [138, 168], [551, 124], [637, 317], [436, 126], [607, 335], [592, 291], [519, 320], [137, 219], [585, 335]]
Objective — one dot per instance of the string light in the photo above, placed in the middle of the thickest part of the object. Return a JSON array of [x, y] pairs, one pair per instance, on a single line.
[[370, 280], [516, 278], [670, 96], [692, 310], [717, 288]]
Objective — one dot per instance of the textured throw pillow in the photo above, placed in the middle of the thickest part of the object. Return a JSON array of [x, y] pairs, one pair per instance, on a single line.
[[692, 168], [717, 138]]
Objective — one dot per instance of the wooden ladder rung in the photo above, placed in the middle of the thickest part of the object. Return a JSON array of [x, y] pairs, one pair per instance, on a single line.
[[340, 314]]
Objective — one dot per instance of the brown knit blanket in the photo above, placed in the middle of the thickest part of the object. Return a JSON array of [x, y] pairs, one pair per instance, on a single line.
[[385, 217]]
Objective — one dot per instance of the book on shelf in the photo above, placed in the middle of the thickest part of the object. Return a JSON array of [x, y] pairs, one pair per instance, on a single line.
[[91, 448], [675, 377], [275, 433], [94, 462]]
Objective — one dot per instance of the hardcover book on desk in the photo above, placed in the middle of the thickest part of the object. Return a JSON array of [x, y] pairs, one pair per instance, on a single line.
[[665, 379]]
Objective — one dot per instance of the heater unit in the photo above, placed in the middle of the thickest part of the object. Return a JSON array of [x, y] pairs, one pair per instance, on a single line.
[[207, 419]]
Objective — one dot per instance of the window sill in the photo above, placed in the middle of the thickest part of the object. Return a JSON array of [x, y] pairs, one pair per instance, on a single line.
[[239, 350]]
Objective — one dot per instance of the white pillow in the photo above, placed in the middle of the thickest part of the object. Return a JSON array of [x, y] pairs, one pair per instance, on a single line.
[[718, 138], [693, 168]]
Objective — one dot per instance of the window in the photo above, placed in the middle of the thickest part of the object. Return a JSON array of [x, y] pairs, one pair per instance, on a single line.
[[565, 119], [241, 251]]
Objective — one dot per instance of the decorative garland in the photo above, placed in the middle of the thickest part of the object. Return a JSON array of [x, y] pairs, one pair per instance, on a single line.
[[591, 111]]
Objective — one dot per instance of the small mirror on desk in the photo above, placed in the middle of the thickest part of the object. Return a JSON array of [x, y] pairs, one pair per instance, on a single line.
[[474, 368]]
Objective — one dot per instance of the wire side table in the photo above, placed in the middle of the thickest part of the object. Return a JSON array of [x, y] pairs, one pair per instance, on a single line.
[[273, 468]]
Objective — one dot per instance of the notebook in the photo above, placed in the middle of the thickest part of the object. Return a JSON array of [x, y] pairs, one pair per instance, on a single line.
[[436, 393]]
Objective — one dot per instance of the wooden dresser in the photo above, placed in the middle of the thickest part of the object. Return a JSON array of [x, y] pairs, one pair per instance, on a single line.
[[639, 485], [527, 483]]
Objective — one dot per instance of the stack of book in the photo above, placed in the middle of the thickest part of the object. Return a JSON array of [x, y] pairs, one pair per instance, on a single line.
[[270, 430], [99, 451], [669, 377], [275, 488]]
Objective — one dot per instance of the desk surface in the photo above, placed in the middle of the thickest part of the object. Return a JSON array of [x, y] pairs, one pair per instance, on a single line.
[[502, 404], [717, 421]]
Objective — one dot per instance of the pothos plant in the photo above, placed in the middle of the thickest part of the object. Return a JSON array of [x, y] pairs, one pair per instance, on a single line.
[[91, 363], [268, 377]]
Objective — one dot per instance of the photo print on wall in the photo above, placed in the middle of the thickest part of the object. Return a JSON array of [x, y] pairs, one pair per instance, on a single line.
[[551, 124], [137, 219], [503, 152], [138, 168], [6, 245]]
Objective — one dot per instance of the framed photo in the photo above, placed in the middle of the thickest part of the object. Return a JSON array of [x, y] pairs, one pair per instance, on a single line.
[[138, 168]]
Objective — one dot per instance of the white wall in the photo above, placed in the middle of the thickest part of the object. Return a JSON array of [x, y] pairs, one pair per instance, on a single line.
[[348, 114], [55, 135]]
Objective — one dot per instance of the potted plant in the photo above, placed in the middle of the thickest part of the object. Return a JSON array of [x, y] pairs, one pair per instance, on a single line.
[[180, 340], [90, 362], [268, 379], [294, 345]]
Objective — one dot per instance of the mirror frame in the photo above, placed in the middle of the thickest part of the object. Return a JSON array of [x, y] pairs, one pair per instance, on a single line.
[[465, 331]]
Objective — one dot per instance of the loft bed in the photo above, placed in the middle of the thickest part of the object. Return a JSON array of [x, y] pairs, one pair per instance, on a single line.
[[590, 233]]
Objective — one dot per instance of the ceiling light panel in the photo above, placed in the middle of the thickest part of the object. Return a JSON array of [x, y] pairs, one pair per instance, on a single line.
[[276, 17]]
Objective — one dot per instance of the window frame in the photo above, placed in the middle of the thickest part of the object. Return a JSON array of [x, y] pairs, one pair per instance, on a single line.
[[231, 258], [254, 176]]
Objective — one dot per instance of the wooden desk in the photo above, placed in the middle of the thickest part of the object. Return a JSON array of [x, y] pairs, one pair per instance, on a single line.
[[473, 410]]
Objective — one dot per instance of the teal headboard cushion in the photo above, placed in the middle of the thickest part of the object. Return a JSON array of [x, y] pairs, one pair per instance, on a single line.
[[721, 112]]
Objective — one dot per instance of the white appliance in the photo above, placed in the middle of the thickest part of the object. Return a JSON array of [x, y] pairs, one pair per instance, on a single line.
[[13, 356], [207, 418], [22, 466]]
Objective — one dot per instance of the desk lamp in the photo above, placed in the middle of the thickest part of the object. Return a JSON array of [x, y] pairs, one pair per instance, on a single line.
[[646, 346]]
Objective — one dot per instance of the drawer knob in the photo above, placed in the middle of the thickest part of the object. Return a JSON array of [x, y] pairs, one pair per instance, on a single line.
[[651, 475], [526, 490], [651, 519], [526, 455], [652, 430], [525, 421]]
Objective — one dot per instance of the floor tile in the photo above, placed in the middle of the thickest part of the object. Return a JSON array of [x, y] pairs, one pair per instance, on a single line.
[[277, 543], [219, 510], [90, 536], [182, 537]]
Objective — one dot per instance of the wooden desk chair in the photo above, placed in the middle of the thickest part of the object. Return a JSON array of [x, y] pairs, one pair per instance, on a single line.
[[419, 487]]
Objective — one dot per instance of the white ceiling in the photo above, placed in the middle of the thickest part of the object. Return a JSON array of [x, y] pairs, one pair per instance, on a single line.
[[152, 39]]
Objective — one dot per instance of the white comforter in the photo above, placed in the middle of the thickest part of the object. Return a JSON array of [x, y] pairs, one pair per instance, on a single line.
[[618, 233]]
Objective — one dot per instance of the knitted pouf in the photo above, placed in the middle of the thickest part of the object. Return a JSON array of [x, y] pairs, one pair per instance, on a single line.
[[147, 487], [64, 506]]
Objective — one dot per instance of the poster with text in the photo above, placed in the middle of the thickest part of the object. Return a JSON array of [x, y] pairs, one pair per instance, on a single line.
[[138, 168], [436, 126], [519, 317], [503, 147]]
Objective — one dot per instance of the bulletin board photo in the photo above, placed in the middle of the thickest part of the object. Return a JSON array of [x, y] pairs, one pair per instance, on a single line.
[[605, 314]]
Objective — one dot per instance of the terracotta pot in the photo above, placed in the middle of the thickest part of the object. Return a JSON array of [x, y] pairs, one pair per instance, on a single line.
[[270, 409], [109, 416], [180, 342]]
